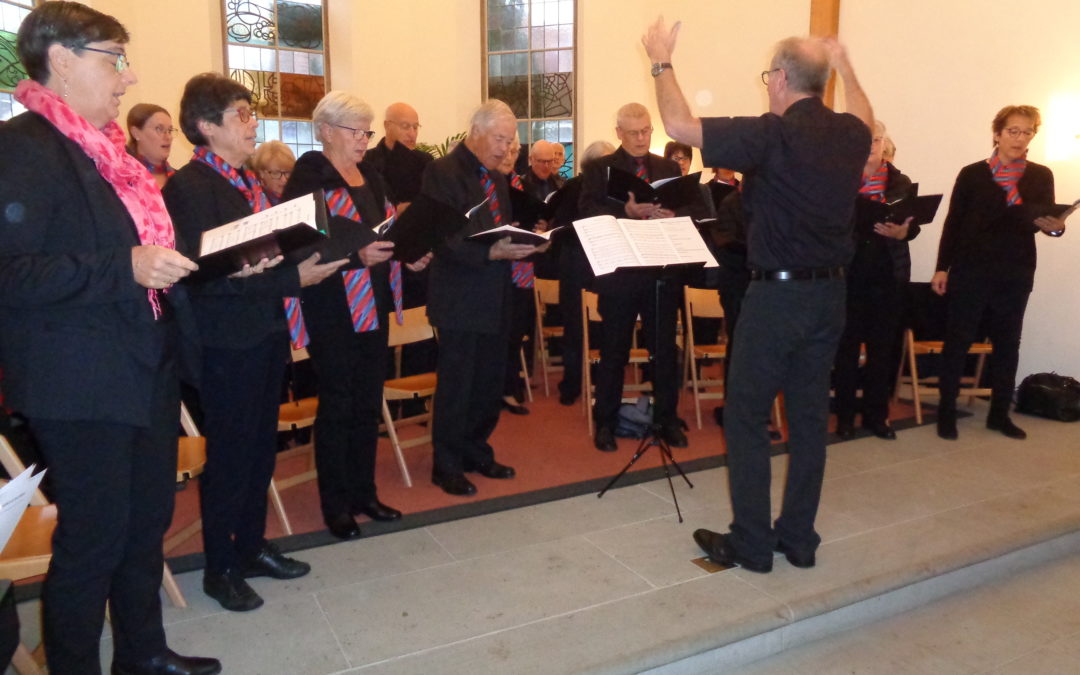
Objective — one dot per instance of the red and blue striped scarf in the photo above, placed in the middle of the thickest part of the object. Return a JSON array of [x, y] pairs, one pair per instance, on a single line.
[[1008, 176]]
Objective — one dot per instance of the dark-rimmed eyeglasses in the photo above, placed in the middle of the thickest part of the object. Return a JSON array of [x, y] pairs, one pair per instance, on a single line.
[[765, 75], [243, 114], [357, 133], [1017, 132], [122, 63], [278, 173]]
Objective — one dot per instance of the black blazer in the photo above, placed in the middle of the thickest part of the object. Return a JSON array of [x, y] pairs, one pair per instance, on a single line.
[[401, 167], [466, 290], [984, 235], [231, 313], [873, 250], [325, 306], [594, 202], [78, 339]]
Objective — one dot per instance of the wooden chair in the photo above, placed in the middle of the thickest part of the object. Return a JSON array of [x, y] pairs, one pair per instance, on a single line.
[[703, 303], [590, 356], [295, 414], [921, 385], [415, 328], [546, 292]]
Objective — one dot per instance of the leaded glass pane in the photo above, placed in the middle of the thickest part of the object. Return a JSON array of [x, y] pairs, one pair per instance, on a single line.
[[12, 16], [304, 133], [263, 88], [250, 21], [288, 132], [11, 70], [300, 94], [567, 169], [300, 24]]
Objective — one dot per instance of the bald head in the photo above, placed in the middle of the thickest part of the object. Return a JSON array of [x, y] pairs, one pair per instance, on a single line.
[[542, 159], [402, 125]]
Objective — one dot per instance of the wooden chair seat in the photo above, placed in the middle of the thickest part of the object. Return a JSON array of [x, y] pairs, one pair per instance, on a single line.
[[410, 386], [414, 328], [190, 458], [298, 414], [922, 385], [28, 551]]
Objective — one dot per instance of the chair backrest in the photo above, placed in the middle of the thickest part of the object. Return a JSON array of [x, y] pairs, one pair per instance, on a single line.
[[414, 327], [14, 466], [704, 303], [590, 306], [547, 291]]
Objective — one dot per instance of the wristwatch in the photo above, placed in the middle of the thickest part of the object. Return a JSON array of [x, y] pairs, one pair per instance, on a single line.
[[658, 68]]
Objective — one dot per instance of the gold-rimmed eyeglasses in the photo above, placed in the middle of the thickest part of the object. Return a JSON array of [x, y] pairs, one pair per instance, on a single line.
[[765, 75]]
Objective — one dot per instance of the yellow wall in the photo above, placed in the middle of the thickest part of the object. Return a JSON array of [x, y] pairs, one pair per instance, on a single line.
[[936, 73]]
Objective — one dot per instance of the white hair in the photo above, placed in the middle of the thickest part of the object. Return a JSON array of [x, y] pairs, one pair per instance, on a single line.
[[337, 107], [487, 114]]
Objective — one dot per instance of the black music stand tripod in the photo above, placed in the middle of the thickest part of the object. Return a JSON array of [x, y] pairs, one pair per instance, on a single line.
[[654, 436]]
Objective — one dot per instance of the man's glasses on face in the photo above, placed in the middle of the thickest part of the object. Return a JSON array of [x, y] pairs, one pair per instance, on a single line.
[[638, 133]]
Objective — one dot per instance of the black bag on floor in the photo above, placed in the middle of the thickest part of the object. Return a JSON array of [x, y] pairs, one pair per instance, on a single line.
[[634, 419], [1049, 395]]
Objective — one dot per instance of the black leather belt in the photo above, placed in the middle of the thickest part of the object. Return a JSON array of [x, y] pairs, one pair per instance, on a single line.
[[804, 274]]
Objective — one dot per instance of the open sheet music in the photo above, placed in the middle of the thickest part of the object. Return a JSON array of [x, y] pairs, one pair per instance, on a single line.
[[614, 243], [302, 210]]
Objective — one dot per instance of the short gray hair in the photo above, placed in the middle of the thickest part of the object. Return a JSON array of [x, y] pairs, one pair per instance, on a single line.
[[630, 111], [337, 107], [487, 114], [806, 64]]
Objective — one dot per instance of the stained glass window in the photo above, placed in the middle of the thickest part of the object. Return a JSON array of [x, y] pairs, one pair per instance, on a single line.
[[11, 71], [277, 49], [529, 64]]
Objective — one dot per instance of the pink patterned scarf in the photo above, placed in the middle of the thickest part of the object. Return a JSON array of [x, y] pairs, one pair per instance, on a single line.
[[133, 184]]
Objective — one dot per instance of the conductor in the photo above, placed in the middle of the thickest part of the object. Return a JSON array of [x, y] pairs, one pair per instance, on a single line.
[[802, 165]]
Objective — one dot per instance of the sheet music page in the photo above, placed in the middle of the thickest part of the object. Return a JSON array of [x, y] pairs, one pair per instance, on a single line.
[[650, 243], [687, 241], [299, 210], [605, 245], [13, 500]]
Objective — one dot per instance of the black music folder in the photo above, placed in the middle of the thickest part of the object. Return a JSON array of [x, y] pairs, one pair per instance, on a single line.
[[423, 226], [670, 193], [921, 209], [517, 234]]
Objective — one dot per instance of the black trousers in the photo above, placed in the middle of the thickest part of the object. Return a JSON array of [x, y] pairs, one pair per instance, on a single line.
[[351, 368], [1000, 300], [873, 317], [619, 313], [114, 487], [468, 398], [574, 276], [240, 397], [522, 323], [787, 335]]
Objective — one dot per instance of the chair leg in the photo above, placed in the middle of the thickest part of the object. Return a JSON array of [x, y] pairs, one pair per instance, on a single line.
[[279, 508], [392, 433], [525, 375], [545, 363], [692, 361], [978, 376], [172, 589], [913, 368], [24, 662]]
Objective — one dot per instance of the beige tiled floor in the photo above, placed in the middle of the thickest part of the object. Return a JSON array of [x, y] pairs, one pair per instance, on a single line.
[[608, 585]]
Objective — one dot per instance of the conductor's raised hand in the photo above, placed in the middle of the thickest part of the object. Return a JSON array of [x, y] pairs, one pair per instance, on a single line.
[[376, 252], [505, 249], [659, 40], [158, 266], [419, 265], [838, 57], [311, 272]]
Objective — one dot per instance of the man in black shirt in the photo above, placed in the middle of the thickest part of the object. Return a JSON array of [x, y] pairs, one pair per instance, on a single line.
[[802, 167], [541, 180], [396, 156]]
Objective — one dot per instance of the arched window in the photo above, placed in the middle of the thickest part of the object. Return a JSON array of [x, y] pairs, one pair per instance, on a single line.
[[277, 49], [12, 13], [529, 62]]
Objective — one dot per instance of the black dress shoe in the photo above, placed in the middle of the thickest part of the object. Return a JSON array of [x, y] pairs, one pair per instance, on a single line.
[[568, 399], [270, 562], [604, 439], [454, 484], [1005, 426], [881, 430], [672, 434], [845, 431], [797, 559], [491, 470], [170, 663], [231, 591], [514, 408], [342, 526], [719, 549], [946, 427], [376, 510]]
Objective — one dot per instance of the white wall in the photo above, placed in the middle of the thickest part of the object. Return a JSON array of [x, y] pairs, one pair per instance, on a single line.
[[936, 73]]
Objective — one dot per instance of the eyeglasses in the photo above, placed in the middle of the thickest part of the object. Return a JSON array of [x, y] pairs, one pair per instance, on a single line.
[[165, 131], [278, 173], [357, 133], [408, 126], [765, 75], [679, 158], [122, 63], [1017, 132], [243, 114], [638, 133]]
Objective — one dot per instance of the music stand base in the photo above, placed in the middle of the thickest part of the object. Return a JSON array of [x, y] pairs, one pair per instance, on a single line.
[[652, 438]]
